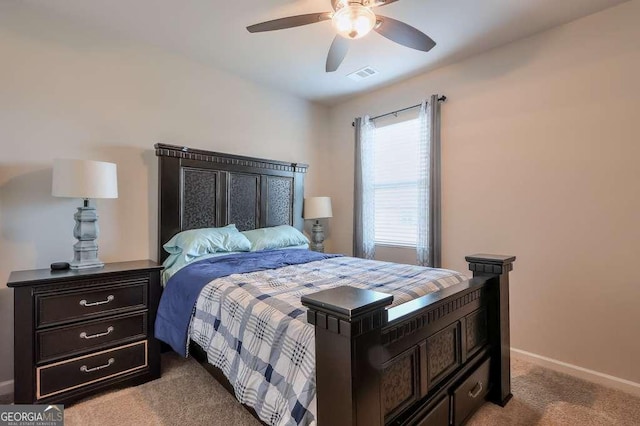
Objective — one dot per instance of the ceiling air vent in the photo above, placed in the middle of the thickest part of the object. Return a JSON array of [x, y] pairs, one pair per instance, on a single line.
[[362, 74]]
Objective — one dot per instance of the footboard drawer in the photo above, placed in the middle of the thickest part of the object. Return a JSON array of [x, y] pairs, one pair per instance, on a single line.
[[438, 415], [76, 372], [469, 395]]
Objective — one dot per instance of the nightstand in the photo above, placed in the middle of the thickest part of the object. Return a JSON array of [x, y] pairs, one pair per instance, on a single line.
[[84, 331]]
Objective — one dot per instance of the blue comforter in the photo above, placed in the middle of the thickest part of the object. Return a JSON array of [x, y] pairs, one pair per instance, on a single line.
[[182, 290]]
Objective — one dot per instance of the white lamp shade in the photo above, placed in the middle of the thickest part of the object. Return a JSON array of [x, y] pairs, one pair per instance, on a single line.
[[84, 179], [317, 208]]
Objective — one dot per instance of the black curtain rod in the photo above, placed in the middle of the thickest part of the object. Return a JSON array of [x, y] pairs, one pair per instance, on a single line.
[[441, 99]]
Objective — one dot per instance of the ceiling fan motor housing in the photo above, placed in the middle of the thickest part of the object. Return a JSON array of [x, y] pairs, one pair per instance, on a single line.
[[354, 20]]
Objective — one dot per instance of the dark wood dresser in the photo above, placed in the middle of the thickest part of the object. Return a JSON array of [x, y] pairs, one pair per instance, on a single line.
[[80, 332]]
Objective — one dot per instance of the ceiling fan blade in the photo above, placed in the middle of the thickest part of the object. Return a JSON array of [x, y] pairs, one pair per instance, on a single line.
[[289, 22], [404, 34], [337, 52]]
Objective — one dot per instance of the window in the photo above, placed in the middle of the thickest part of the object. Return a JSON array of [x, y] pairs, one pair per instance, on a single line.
[[396, 151]]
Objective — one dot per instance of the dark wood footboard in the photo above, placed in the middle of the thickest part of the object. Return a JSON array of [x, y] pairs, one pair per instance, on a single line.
[[431, 361]]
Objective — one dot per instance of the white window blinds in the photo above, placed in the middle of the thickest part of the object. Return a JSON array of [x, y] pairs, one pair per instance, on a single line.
[[396, 183]]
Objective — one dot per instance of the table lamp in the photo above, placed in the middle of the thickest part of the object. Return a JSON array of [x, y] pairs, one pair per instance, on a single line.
[[317, 208], [85, 179]]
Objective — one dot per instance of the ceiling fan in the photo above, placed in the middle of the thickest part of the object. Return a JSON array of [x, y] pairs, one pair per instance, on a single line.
[[353, 20]]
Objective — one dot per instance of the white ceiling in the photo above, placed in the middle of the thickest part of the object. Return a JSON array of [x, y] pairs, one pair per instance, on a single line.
[[293, 60]]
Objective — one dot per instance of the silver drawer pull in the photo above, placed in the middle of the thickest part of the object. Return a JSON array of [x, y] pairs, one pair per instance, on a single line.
[[86, 369], [473, 393], [84, 334], [110, 298]]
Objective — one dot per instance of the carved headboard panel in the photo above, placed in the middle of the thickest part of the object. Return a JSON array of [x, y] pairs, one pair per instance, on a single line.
[[201, 189]]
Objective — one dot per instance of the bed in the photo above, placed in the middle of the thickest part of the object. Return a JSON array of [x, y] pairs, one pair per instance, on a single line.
[[428, 356]]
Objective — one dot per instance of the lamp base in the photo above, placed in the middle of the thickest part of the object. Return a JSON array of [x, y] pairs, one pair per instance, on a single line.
[[86, 264], [317, 238], [85, 251]]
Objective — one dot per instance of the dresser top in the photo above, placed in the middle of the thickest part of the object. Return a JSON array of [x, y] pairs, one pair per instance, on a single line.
[[26, 278]]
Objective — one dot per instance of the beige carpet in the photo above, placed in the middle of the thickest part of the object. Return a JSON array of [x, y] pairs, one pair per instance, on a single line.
[[543, 397], [187, 395]]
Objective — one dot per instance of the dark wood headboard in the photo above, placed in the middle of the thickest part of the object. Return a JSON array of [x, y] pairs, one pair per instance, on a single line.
[[203, 189]]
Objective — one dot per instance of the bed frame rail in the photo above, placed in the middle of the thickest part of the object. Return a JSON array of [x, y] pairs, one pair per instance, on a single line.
[[377, 365]]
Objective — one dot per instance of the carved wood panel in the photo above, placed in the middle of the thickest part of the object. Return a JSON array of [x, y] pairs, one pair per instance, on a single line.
[[279, 201], [399, 384], [476, 330], [443, 353], [243, 200], [199, 188]]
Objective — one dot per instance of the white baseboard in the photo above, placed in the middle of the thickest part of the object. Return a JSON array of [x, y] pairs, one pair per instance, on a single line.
[[6, 390], [579, 372]]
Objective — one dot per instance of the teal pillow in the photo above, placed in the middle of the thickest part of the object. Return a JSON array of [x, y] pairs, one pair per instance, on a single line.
[[198, 242], [278, 237]]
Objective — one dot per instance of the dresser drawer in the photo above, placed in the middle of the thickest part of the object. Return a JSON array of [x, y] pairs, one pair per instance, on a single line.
[[74, 373], [470, 393], [69, 340], [90, 302]]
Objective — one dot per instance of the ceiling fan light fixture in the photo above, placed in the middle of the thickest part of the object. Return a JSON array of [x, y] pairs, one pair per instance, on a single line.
[[354, 21]]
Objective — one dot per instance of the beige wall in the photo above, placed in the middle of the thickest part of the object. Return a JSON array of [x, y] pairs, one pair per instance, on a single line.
[[67, 93], [541, 140]]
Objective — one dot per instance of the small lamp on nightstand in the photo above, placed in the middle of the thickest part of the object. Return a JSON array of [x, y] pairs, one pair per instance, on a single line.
[[317, 208], [85, 179]]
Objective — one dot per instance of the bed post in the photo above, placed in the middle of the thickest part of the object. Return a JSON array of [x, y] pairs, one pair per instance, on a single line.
[[348, 324], [487, 265]]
